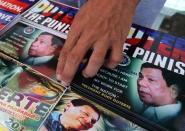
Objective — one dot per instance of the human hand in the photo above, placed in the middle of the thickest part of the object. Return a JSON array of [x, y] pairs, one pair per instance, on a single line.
[[100, 25]]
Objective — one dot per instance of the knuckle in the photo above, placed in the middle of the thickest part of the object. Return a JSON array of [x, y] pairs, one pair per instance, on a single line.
[[97, 61]]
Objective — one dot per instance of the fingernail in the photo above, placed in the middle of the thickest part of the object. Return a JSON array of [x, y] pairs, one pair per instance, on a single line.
[[58, 77], [64, 83], [84, 74]]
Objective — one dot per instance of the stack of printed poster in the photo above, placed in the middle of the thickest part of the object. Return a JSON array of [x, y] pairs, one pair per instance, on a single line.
[[144, 92]]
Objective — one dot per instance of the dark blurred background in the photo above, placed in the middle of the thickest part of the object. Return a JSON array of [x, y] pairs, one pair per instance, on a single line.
[[172, 18]]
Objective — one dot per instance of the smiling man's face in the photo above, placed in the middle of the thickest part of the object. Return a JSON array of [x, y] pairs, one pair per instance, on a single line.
[[80, 117]]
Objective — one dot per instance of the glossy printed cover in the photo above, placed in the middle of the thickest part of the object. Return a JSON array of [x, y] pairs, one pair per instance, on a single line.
[[148, 86], [120, 89], [74, 112], [17, 40], [17, 6], [32, 46], [6, 18], [51, 15], [26, 97]]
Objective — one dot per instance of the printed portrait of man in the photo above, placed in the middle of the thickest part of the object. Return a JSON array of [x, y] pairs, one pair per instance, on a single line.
[[43, 49], [77, 115], [158, 89]]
